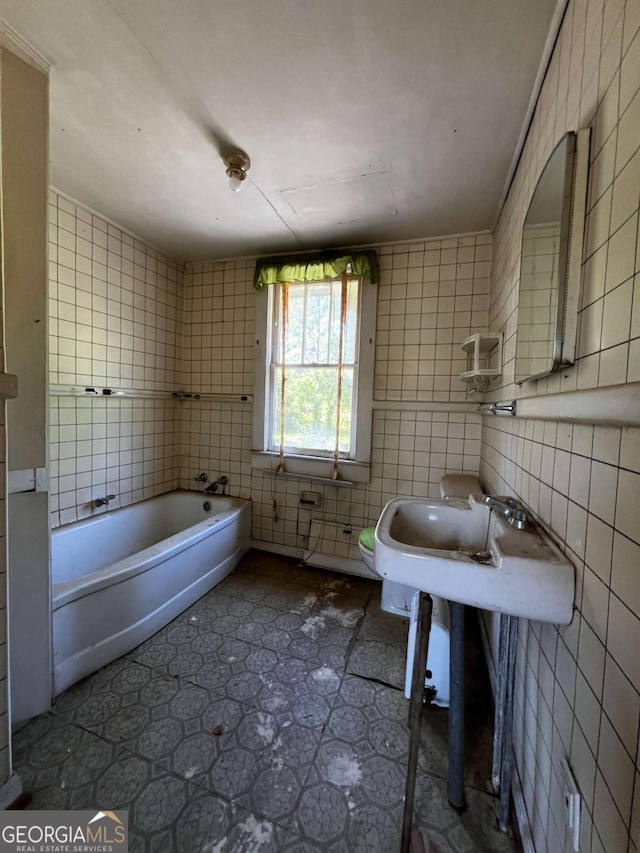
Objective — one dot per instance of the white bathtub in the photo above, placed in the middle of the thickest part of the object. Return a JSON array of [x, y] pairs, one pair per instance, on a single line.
[[119, 577]]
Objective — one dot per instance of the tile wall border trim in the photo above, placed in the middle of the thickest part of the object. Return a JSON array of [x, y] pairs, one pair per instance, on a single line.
[[425, 406], [613, 405], [99, 392]]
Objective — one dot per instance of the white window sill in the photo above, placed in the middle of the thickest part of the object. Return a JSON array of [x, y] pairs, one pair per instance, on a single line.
[[312, 468]]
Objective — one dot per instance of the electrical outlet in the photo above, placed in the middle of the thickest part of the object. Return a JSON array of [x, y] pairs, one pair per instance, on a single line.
[[572, 804]]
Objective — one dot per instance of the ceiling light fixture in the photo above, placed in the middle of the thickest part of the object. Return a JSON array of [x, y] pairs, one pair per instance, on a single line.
[[238, 164]]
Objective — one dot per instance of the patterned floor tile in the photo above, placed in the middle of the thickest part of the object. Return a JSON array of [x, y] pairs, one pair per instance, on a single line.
[[274, 682], [107, 702], [184, 647], [351, 797], [166, 814], [383, 627], [473, 831], [372, 716], [295, 844], [57, 760], [302, 629], [267, 717], [379, 661], [263, 764], [434, 747]]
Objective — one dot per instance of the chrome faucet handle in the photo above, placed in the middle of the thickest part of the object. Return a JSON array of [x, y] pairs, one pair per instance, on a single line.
[[201, 478], [212, 488], [103, 501], [510, 510], [518, 519]]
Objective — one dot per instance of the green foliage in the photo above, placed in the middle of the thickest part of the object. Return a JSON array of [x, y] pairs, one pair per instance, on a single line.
[[311, 399]]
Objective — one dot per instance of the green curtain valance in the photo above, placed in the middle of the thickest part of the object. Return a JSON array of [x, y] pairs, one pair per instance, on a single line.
[[315, 267]]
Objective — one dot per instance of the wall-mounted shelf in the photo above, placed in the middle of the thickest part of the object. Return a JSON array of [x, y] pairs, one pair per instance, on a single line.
[[484, 358]]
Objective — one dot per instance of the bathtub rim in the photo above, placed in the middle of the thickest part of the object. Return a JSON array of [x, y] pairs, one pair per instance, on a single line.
[[145, 559]]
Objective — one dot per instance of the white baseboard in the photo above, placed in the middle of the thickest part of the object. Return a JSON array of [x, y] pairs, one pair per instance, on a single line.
[[339, 564], [10, 791], [276, 548]]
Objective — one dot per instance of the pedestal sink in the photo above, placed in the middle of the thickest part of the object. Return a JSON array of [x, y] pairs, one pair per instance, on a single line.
[[464, 551], [467, 552]]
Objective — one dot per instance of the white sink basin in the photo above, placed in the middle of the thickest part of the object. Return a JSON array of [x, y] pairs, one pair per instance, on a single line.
[[464, 551]]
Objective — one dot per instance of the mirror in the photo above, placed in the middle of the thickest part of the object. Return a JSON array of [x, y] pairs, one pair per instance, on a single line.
[[550, 262]]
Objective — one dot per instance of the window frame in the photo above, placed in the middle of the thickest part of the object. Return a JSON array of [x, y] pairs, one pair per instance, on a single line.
[[356, 469]]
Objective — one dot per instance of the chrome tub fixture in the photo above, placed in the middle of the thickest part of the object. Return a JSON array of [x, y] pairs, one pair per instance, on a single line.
[[104, 501]]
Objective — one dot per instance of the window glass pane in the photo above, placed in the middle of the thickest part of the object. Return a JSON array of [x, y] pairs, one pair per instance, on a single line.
[[311, 352], [313, 324], [311, 397]]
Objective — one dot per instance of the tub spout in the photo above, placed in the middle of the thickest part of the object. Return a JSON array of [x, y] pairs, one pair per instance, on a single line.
[[104, 501]]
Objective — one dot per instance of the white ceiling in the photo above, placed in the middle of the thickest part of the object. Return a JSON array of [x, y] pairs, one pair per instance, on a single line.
[[365, 120]]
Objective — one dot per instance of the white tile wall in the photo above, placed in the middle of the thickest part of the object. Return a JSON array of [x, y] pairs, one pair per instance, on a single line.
[[431, 296], [116, 308], [109, 446], [219, 321], [578, 690]]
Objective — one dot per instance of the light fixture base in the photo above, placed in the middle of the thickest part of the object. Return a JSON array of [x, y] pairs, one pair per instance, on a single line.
[[238, 164]]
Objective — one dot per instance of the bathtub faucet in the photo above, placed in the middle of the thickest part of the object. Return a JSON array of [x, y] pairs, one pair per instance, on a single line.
[[222, 481], [105, 501], [201, 478]]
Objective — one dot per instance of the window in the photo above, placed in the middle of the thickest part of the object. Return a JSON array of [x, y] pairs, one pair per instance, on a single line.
[[314, 378]]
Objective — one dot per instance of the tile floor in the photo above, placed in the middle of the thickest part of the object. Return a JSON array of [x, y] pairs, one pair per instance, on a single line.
[[267, 717]]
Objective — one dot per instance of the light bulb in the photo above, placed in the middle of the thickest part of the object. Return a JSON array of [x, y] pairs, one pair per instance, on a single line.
[[235, 184]]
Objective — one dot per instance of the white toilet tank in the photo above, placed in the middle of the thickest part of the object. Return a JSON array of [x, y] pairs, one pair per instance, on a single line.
[[454, 486]]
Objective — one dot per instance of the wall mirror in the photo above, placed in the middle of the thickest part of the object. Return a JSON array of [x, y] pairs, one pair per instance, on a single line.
[[551, 259]]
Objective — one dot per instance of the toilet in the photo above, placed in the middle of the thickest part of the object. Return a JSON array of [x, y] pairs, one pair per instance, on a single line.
[[459, 487], [402, 600], [396, 597]]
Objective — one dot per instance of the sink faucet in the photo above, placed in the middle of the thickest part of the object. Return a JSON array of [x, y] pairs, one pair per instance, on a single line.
[[509, 509]]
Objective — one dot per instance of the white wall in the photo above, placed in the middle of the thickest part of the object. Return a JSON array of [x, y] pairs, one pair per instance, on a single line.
[[24, 116]]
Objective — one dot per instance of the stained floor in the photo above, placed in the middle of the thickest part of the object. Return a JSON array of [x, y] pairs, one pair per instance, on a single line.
[[268, 717]]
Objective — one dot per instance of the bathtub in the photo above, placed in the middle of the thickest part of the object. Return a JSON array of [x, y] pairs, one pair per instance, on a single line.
[[119, 577]]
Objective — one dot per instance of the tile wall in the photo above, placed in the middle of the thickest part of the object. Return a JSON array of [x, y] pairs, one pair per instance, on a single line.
[[121, 318], [578, 688], [431, 296], [116, 308]]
